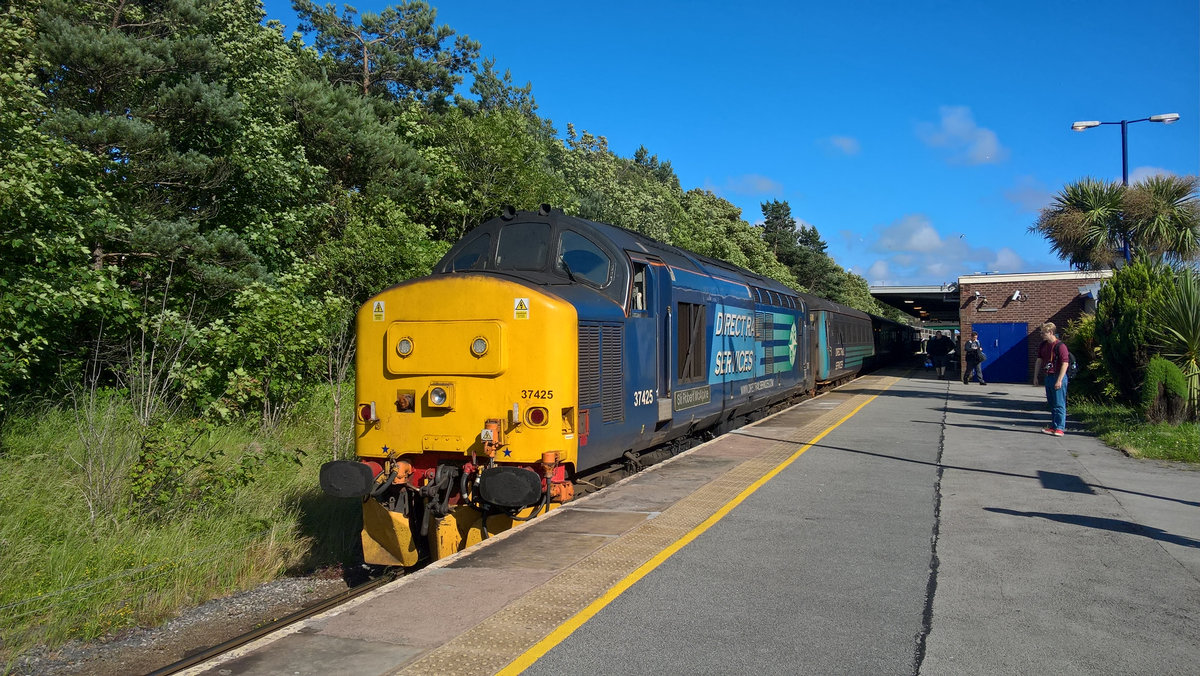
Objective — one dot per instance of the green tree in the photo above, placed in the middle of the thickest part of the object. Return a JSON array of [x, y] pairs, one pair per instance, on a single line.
[[800, 247], [780, 233], [714, 227], [1084, 223], [51, 210], [398, 54], [644, 198], [1163, 216], [484, 161], [1089, 220]]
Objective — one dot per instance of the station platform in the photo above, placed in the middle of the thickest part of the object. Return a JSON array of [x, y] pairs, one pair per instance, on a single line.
[[898, 525]]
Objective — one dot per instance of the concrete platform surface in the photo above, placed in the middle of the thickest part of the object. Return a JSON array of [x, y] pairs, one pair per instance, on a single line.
[[931, 528]]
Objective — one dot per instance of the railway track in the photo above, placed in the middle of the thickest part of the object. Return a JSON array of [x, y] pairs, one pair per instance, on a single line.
[[276, 625]]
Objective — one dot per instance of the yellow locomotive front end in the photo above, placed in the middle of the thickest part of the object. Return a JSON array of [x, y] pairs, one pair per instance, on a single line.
[[466, 392]]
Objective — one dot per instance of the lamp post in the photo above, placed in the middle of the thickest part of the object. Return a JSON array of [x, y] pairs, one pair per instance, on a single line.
[[1165, 118]]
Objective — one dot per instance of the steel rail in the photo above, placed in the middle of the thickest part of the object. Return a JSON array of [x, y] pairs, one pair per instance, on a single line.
[[274, 625]]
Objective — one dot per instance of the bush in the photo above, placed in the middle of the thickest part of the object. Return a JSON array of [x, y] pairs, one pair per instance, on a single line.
[[1176, 330], [1124, 315], [1093, 380], [1164, 392]]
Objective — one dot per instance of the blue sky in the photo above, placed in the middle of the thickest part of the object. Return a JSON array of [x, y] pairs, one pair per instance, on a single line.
[[920, 138]]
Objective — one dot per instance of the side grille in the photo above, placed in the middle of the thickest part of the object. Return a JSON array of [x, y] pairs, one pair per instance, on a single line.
[[612, 347], [589, 366]]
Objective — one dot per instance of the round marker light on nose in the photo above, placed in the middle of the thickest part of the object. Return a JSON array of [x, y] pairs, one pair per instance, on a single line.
[[479, 346], [404, 347], [537, 416], [437, 396]]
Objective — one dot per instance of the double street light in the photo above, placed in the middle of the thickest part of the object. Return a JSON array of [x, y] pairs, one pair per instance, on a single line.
[[1165, 118]]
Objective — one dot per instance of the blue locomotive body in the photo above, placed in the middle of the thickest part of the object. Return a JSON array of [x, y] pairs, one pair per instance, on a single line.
[[543, 346]]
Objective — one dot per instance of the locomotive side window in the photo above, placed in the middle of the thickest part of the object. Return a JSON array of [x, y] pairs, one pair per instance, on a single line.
[[691, 342], [523, 246], [638, 302], [582, 260], [473, 254]]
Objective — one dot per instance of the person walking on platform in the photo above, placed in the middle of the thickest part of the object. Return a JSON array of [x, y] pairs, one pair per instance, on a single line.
[[973, 354], [1053, 359], [940, 347]]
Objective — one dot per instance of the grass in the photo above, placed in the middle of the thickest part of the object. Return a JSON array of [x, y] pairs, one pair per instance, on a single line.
[[1124, 428], [79, 559]]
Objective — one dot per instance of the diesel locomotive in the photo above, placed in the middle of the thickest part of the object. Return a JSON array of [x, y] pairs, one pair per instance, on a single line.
[[544, 345]]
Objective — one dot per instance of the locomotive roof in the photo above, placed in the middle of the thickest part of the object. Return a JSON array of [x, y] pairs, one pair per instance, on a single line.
[[631, 241], [623, 239]]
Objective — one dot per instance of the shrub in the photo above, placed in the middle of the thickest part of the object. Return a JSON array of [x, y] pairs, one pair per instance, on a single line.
[[1124, 315], [1093, 380], [1164, 392], [1176, 330]]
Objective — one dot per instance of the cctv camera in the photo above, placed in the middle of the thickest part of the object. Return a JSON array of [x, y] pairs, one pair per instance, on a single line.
[[977, 294]]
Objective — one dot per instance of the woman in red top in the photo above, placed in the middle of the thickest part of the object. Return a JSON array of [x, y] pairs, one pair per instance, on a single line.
[[1052, 361]]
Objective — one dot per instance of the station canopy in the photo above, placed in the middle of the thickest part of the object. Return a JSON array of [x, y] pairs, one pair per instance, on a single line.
[[937, 304]]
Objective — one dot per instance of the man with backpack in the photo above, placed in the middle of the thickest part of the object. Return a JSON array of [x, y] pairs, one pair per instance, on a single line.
[[973, 352], [1052, 362]]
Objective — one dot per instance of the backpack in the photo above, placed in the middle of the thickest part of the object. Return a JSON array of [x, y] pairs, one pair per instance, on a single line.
[[1072, 367]]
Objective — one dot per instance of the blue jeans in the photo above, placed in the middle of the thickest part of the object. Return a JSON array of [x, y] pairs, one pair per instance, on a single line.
[[974, 369], [1057, 400]]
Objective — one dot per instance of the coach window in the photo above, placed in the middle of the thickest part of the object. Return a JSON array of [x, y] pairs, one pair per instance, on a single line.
[[523, 246], [581, 260], [472, 255], [690, 330]]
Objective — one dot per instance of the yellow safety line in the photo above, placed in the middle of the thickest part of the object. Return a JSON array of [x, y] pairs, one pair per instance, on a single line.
[[525, 660]]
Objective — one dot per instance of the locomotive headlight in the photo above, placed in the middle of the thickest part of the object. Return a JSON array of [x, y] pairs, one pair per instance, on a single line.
[[479, 346], [404, 347], [441, 395]]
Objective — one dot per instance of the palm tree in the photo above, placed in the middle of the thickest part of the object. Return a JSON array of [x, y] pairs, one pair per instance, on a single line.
[[1088, 220], [1163, 216], [1084, 223]]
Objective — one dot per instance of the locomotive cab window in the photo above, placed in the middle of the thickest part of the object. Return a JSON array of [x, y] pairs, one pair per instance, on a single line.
[[581, 260], [523, 246], [472, 254]]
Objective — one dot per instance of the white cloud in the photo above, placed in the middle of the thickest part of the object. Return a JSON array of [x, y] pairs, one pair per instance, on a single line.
[[967, 142], [1029, 195], [1142, 173], [751, 184], [878, 272], [912, 233], [914, 252], [847, 145]]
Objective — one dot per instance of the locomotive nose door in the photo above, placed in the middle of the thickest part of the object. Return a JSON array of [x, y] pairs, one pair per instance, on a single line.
[[652, 300]]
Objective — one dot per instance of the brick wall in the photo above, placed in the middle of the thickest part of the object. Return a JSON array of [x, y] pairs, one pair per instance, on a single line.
[[1055, 301]]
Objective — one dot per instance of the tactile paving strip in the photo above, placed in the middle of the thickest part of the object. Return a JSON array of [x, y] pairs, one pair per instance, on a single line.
[[499, 639]]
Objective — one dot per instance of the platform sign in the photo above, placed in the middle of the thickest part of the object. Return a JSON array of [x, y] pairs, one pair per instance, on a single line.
[[520, 308], [377, 310]]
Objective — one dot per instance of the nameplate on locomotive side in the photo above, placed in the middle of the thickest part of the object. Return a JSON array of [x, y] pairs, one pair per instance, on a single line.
[[694, 397]]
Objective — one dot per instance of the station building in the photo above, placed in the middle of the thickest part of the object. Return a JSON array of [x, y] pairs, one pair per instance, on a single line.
[[1005, 309]]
